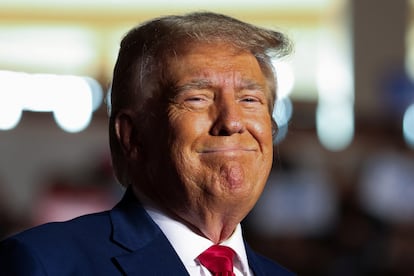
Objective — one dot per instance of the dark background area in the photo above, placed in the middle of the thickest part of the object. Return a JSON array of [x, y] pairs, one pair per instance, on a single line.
[[348, 211]]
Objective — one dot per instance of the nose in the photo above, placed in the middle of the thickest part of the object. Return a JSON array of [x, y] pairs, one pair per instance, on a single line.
[[228, 120]]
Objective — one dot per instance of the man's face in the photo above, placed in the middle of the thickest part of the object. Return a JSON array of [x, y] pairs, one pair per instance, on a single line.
[[219, 133]]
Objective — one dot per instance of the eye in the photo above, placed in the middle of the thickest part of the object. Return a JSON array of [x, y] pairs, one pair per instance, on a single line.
[[195, 99], [250, 99]]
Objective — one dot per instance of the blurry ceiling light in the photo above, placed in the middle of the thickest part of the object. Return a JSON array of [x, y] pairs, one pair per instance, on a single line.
[[127, 4], [283, 109], [96, 92], [72, 99], [282, 113], [335, 125], [10, 106], [60, 49], [333, 76], [73, 110], [10, 115], [408, 126], [285, 78], [335, 114]]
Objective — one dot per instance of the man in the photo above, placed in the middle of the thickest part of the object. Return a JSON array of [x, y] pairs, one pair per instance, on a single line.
[[191, 139]]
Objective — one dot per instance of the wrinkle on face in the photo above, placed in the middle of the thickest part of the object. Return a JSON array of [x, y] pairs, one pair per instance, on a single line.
[[218, 137]]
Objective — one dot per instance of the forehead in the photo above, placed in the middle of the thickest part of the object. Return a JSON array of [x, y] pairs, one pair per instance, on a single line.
[[219, 62]]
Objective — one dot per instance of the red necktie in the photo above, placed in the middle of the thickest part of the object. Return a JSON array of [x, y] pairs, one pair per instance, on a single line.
[[218, 259]]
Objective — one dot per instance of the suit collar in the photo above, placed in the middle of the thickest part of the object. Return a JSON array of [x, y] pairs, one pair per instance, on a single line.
[[148, 251], [155, 258], [132, 226], [253, 261]]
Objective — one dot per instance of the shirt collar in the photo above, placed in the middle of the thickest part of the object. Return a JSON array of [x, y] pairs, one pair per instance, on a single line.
[[180, 237]]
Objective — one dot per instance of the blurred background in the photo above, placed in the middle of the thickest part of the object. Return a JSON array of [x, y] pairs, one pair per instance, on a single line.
[[340, 198]]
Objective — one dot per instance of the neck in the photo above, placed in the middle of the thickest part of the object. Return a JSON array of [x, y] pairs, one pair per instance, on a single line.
[[215, 225], [217, 229]]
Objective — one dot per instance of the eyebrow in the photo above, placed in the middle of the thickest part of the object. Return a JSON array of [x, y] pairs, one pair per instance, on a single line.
[[252, 85], [246, 84], [193, 84]]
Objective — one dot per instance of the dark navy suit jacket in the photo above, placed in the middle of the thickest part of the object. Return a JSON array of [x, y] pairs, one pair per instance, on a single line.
[[122, 241]]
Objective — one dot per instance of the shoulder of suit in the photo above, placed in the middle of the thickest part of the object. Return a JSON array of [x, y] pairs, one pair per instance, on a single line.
[[270, 267], [53, 232]]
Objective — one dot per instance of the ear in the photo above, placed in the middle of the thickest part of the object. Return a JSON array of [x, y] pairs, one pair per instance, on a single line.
[[126, 134]]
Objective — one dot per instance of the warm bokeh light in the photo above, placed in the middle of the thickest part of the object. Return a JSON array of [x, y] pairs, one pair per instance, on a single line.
[[72, 99], [285, 78], [182, 4], [10, 105], [58, 49]]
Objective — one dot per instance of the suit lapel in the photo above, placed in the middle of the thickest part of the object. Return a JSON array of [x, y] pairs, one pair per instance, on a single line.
[[262, 266], [149, 251], [156, 258], [254, 263]]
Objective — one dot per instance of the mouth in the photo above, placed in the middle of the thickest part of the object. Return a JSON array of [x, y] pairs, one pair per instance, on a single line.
[[226, 150]]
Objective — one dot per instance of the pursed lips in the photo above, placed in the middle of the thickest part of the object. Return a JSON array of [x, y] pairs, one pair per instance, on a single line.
[[226, 149]]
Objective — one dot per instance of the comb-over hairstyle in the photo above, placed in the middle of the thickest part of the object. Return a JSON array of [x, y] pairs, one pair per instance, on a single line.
[[141, 71]]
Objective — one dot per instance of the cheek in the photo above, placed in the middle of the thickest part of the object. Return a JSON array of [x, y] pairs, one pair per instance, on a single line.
[[183, 134], [186, 128], [261, 129]]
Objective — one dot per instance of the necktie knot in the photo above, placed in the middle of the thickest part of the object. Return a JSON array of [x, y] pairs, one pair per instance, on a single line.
[[218, 259]]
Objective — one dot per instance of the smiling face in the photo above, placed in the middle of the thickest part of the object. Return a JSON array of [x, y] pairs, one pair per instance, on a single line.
[[218, 133]]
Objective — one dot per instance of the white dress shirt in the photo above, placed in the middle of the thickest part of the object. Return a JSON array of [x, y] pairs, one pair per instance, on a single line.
[[188, 245]]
